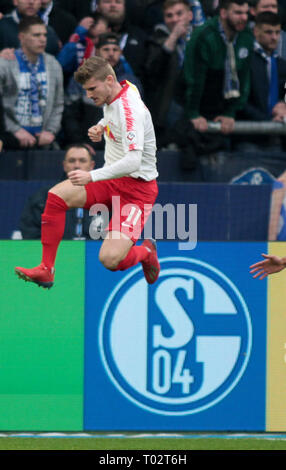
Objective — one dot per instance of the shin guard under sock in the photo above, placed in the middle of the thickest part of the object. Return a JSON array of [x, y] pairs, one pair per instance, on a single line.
[[53, 226]]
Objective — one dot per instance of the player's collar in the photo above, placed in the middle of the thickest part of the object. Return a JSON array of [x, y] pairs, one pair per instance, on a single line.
[[125, 86]]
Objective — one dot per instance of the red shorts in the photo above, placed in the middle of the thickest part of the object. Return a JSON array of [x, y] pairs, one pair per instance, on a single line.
[[130, 200]]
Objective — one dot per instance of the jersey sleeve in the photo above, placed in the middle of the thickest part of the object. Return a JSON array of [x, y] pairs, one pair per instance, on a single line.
[[129, 164]]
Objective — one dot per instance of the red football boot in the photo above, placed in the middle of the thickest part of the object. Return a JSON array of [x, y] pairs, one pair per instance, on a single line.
[[151, 266], [41, 275]]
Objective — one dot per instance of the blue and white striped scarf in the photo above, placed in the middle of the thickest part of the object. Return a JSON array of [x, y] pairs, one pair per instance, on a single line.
[[32, 98], [231, 81]]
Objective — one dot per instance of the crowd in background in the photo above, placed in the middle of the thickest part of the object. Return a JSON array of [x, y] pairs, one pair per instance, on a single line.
[[193, 62]]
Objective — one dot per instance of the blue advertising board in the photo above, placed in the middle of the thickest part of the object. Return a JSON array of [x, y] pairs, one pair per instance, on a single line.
[[187, 353]]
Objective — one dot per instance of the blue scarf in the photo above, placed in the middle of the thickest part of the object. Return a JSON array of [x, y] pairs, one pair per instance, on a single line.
[[32, 98]]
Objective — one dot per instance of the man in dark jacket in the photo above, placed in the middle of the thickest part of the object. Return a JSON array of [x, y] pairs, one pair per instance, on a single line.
[[78, 156], [164, 68], [268, 77]]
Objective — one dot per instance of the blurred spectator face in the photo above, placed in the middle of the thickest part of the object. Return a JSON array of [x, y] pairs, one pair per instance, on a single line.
[[111, 53], [112, 10], [77, 158], [99, 28], [27, 7], [265, 5], [267, 36], [235, 16], [34, 41], [178, 13]]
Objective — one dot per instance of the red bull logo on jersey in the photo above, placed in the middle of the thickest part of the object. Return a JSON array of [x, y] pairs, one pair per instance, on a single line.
[[108, 132]]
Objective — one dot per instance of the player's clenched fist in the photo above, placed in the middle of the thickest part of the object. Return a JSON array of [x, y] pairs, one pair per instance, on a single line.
[[95, 133]]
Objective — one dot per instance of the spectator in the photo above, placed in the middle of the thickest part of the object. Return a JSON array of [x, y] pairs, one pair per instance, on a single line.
[[9, 28], [217, 86], [133, 40], [81, 44], [108, 48], [60, 20], [149, 13], [268, 78], [259, 6], [164, 68], [32, 88], [80, 112], [77, 156], [217, 77]]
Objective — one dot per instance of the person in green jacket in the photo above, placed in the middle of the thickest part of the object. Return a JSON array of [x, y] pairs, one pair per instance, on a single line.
[[216, 67]]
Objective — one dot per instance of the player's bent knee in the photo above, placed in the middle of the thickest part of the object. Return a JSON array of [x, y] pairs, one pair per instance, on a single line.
[[110, 260]]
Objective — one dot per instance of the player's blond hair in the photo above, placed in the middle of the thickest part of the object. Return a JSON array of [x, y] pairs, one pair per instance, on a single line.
[[94, 67]]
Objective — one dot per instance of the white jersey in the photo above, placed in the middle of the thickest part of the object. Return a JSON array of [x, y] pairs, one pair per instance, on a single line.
[[128, 126]]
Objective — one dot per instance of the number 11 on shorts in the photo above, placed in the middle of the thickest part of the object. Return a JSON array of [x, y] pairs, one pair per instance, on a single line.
[[133, 217]]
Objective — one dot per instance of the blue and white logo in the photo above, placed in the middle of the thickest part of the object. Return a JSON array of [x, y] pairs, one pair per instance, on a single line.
[[179, 346]]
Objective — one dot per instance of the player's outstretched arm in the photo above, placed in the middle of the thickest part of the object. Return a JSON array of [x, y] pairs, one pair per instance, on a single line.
[[270, 265]]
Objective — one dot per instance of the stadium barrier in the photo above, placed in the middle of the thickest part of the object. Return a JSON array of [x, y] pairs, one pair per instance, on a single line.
[[203, 349], [252, 127]]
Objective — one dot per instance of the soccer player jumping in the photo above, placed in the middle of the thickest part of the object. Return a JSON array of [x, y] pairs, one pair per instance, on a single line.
[[128, 177]]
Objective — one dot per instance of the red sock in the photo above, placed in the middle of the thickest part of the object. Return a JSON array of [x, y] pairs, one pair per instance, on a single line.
[[134, 256], [53, 226]]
